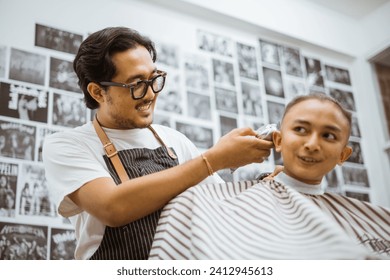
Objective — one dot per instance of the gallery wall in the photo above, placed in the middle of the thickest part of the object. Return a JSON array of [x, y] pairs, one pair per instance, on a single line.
[[220, 76]]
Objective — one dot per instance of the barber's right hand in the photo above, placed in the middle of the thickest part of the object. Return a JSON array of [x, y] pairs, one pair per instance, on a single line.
[[238, 148]]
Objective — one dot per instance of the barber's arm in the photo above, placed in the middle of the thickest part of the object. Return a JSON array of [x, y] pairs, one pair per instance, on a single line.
[[131, 200]]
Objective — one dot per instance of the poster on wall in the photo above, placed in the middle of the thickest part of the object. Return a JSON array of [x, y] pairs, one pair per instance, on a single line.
[[25, 103], [292, 61], [273, 82], [355, 176], [27, 67], [167, 54], [223, 73], [33, 193], [41, 134], [62, 244], [3, 50], [62, 75], [17, 140], [247, 62], [170, 98], [23, 242], [314, 73], [8, 181], [226, 100], [275, 111], [57, 39], [68, 110], [344, 97]]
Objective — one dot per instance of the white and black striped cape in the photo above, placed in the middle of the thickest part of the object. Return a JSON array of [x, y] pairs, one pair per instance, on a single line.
[[268, 220]]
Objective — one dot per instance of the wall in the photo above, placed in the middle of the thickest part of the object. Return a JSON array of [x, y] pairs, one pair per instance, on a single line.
[[174, 25]]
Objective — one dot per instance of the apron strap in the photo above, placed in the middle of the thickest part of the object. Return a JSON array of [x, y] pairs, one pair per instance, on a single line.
[[110, 151], [170, 152]]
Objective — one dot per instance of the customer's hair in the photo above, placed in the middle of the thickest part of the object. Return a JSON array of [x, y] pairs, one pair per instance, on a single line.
[[321, 97], [93, 62]]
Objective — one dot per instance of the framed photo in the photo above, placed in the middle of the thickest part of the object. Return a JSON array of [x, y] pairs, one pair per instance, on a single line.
[[269, 52], [170, 98], [247, 62], [62, 244], [198, 106], [314, 73], [273, 82], [337, 75], [23, 242], [251, 100], [292, 61], [25, 103], [57, 39], [226, 100], [275, 111], [355, 176], [167, 55], [344, 97], [8, 182], [356, 156], [201, 136], [196, 74], [223, 73], [227, 124], [355, 130], [68, 110], [62, 75], [214, 43], [27, 67]]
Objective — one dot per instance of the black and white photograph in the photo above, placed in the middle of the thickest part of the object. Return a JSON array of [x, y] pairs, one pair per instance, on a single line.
[[356, 156], [355, 176], [344, 97], [25, 103], [275, 111], [251, 100], [42, 132], [358, 195], [17, 140], [68, 110], [293, 88], [269, 52], [3, 50], [62, 75], [223, 73], [198, 106], [62, 244], [202, 137], [8, 181], [314, 73], [273, 82], [33, 192], [27, 67], [355, 130], [214, 43], [247, 62], [332, 181], [57, 39], [168, 55], [23, 242], [292, 61], [227, 124], [337, 75], [170, 98], [226, 100], [196, 74]]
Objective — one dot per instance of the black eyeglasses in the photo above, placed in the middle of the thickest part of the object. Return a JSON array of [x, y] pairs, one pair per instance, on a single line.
[[138, 89]]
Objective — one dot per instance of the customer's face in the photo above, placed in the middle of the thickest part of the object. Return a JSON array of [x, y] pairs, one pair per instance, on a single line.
[[312, 140], [118, 109]]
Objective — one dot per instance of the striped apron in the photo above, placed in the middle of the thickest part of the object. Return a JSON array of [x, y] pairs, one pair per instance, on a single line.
[[134, 240]]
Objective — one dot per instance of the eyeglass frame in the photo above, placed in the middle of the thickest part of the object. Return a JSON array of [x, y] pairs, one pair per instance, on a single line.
[[131, 86]]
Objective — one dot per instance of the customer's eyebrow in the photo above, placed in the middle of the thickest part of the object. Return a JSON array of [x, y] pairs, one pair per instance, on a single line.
[[328, 127]]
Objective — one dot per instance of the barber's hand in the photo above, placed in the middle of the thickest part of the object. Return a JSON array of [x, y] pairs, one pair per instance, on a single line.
[[238, 148]]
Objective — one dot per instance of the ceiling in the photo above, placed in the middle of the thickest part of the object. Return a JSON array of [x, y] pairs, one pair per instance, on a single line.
[[354, 8]]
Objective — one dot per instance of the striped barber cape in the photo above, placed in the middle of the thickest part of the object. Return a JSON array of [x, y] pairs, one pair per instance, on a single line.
[[268, 220]]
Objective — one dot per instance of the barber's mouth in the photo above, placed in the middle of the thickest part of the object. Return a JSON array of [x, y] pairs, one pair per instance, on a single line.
[[144, 106]]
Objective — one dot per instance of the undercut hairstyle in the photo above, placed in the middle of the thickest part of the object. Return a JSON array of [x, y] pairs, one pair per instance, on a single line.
[[321, 97], [93, 61]]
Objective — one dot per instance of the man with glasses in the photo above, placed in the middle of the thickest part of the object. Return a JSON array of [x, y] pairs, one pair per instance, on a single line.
[[112, 176]]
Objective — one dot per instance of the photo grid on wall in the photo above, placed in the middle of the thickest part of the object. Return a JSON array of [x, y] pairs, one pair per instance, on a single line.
[[220, 85]]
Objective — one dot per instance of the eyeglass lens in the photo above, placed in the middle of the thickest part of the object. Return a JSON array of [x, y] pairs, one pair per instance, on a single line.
[[157, 84]]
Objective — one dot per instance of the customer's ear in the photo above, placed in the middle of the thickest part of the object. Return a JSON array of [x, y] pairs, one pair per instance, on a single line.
[[277, 138], [345, 154], [95, 91]]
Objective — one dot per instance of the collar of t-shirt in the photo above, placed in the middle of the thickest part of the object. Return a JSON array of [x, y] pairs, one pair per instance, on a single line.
[[298, 185]]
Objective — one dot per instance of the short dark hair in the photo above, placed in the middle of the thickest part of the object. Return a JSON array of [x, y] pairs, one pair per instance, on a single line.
[[321, 97], [93, 61]]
